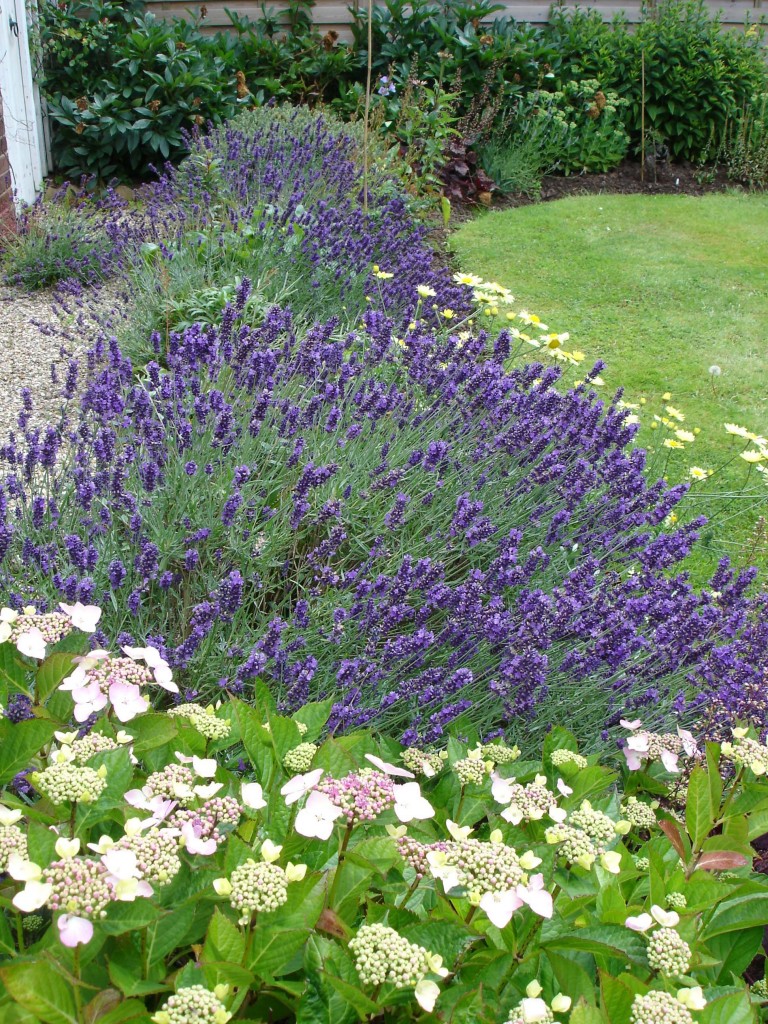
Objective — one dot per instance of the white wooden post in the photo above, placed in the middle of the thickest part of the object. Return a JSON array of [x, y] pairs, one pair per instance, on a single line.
[[21, 103]]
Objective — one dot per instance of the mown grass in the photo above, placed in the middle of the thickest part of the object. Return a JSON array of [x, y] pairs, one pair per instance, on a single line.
[[662, 288]]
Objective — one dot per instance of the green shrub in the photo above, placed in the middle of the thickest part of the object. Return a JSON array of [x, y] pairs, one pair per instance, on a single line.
[[577, 128], [160, 81], [697, 77], [746, 146]]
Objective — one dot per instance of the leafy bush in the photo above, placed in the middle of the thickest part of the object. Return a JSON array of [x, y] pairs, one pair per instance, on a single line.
[[232, 863], [746, 144], [370, 506], [133, 110], [697, 77], [69, 238], [579, 128]]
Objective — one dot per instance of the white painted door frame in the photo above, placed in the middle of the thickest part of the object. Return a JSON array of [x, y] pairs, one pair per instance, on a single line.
[[22, 111]]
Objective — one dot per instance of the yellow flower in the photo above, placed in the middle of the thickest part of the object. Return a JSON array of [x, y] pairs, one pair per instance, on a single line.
[[737, 431], [685, 435], [666, 396], [383, 275], [697, 473], [448, 314], [469, 279], [675, 413], [670, 442], [425, 291], [511, 316], [754, 457]]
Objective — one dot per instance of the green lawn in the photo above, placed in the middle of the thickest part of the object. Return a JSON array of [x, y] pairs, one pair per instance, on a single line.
[[661, 288]]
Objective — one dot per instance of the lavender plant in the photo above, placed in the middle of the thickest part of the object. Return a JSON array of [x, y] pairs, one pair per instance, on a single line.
[[368, 507], [70, 237]]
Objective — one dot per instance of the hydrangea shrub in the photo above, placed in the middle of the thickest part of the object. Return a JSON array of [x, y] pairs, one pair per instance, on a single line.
[[199, 880]]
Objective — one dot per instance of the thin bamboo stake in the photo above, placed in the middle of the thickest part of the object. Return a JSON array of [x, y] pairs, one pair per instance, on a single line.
[[366, 127], [642, 115]]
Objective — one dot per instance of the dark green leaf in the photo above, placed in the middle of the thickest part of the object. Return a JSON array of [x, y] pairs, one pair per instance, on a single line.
[[41, 990], [53, 671], [20, 743], [699, 809]]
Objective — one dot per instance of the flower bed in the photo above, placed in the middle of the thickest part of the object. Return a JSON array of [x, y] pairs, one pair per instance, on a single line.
[[365, 505]]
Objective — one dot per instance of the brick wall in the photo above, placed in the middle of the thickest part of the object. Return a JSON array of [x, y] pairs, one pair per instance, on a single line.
[[7, 214]]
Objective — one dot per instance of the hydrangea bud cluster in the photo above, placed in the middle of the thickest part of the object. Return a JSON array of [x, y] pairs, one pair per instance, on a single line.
[[500, 753], [760, 989], [12, 840], [575, 844], [659, 743], [193, 1005], [668, 953], [659, 1008], [32, 922], [415, 853], [563, 758], [214, 820], [471, 770], [303, 729], [638, 813], [165, 783], [422, 762], [362, 795], [530, 802], [382, 955], [747, 753], [483, 867], [204, 720], [599, 827], [299, 759], [80, 886], [119, 670], [257, 885], [94, 743], [676, 900], [642, 863], [54, 626], [156, 852], [67, 782]]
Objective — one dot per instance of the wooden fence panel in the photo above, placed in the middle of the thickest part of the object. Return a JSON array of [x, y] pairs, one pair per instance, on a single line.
[[330, 14]]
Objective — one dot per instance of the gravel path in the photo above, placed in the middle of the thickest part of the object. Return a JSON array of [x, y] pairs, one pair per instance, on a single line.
[[28, 350], [27, 355]]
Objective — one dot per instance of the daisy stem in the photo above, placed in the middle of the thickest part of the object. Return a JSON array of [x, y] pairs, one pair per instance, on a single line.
[[19, 932]]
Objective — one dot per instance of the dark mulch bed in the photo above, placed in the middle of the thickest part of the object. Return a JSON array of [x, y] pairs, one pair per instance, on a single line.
[[666, 179]]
